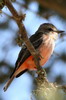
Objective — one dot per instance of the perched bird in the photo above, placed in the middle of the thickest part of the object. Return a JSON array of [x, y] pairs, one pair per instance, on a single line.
[[44, 42]]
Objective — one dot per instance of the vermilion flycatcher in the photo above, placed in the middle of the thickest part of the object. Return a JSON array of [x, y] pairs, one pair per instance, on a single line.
[[44, 42]]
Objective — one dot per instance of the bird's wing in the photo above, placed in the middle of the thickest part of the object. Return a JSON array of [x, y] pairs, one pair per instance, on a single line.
[[36, 40]]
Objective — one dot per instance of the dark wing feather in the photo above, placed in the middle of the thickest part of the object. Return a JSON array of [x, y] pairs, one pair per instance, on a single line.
[[36, 40]]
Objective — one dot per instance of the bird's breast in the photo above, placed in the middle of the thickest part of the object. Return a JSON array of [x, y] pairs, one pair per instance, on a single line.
[[46, 49]]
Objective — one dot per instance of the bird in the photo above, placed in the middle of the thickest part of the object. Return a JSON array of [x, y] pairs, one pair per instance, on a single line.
[[44, 42]]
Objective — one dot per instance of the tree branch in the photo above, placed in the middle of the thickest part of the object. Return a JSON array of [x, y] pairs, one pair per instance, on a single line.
[[23, 33]]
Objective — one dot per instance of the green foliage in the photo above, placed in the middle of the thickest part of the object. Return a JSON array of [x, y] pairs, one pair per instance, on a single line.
[[1, 4], [41, 9]]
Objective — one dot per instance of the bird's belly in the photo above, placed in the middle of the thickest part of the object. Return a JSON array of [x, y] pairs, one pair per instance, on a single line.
[[45, 53]]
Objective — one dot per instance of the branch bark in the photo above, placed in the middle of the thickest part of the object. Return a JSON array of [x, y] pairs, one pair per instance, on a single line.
[[18, 18]]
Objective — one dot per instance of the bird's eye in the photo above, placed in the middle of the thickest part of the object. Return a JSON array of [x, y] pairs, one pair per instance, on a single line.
[[50, 29]]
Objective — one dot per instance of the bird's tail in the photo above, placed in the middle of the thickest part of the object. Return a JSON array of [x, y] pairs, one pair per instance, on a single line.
[[8, 83]]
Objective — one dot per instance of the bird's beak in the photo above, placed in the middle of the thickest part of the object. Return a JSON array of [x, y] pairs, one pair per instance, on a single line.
[[59, 31]]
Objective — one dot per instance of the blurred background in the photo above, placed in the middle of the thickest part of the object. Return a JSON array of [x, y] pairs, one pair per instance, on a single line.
[[37, 12]]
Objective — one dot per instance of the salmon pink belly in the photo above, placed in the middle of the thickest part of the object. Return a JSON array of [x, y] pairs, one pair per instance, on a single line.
[[45, 52]]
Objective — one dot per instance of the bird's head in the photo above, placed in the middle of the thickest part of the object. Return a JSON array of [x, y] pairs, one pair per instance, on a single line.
[[50, 30]]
